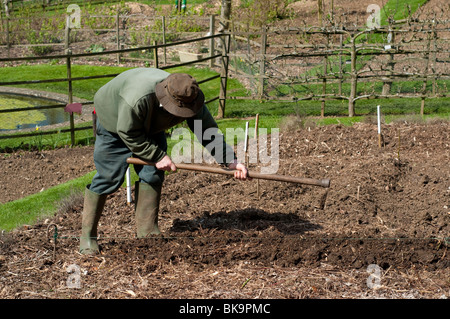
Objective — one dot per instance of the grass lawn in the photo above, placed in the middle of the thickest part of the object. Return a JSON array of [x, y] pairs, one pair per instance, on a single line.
[[37, 206]]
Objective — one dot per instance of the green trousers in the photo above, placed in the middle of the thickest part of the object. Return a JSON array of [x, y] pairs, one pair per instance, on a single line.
[[110, 158]]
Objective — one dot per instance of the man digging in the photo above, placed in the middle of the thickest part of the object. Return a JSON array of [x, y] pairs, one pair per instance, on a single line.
[[133, 111]]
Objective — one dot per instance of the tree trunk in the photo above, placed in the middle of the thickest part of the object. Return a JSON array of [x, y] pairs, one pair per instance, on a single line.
[[320, 11], [225, 15]]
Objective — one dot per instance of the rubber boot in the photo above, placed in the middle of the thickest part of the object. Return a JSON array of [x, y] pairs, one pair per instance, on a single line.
[[147, 208], [92, 210]]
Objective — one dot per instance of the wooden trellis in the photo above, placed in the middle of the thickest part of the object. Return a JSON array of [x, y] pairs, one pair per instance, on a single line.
[[410, 39]]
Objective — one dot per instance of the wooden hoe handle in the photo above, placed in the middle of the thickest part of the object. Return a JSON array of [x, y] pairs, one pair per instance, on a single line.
[[223, 171]]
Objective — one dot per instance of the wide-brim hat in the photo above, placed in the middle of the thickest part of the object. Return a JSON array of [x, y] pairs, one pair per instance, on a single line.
[[180, 95]]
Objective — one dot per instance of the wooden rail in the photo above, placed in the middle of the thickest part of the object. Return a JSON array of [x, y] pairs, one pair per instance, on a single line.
[[69, 79]]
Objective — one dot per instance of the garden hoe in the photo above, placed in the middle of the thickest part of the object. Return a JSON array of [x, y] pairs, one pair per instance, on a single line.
[[216, 170]]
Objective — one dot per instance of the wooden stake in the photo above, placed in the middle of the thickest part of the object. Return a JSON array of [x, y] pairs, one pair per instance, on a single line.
[[379, 126], [256, 148]]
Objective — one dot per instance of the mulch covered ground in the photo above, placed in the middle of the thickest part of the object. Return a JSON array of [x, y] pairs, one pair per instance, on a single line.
[[380, 231]]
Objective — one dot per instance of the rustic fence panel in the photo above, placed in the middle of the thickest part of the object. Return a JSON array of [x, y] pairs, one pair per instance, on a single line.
[[338, 62], [69, 56]]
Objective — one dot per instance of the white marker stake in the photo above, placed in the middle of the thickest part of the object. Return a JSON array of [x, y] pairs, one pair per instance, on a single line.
[[246, 141], [128, 187], [246, 137], [256, 147], [379, 126]]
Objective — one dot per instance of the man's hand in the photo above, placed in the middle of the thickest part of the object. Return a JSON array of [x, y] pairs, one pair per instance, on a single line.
[[241, 171], [166, 164]]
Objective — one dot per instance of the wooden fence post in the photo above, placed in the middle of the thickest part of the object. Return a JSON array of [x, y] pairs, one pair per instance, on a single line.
[[425, 81], [211, 43], [353, 83], [223, 76], [155, 54], [8, 44], [262, 65], [434, 55], [69, 78], [118, 35], [6, 3], [70, 96], [387, 85], [234, 46], [164, 38], [67, 33], [324, 80]]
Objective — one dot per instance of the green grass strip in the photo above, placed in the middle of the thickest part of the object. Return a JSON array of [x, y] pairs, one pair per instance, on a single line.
[[40, 205]]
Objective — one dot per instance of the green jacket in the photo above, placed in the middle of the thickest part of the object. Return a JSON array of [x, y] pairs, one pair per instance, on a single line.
[[127, 105]]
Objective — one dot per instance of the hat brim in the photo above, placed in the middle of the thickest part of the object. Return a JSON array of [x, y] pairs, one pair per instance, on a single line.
[[173, 106]]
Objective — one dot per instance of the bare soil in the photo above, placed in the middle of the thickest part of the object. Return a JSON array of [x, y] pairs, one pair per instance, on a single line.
[[380, 231], [36, 171], [387, 211]]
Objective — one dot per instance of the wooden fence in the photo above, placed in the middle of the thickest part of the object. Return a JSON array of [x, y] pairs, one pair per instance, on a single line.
[[69, 56], [335, 61], [47, 31], [319, 62]]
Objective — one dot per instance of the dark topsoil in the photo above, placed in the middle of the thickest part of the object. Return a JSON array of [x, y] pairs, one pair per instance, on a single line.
[[386, 207]]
